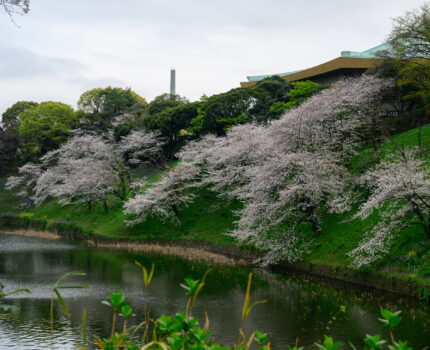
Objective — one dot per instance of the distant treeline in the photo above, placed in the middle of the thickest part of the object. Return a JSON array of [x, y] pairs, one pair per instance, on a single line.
[[29, 130]]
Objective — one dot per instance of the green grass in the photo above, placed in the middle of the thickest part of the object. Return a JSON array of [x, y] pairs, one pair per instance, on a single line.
[[208, 218], [205, 219]]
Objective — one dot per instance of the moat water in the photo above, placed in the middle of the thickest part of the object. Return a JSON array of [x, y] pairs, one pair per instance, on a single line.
[[298, 306]]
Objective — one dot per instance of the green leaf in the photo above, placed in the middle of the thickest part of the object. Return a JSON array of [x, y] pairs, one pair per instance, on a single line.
[[73, 287], [252, 305], [261, 338], [151, 273], [84, 326], [62, 303], [116, 300], [126, 311], [15, 292], [73, 273]]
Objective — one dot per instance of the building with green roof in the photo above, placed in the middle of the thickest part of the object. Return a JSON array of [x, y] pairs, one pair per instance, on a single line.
[[350, 63]]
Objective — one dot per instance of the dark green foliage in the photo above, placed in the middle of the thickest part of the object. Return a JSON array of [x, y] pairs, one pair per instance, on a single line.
[[299, 92], [115, 102], [101, 106], [267, 92], [265, 100], [170, 115], [11, 116], [9, 146], [10, 141], [408, 62], [163, 102], [171, 122], [237, 106]]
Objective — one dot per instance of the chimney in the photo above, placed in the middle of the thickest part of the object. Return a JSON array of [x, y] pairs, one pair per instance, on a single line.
[[172, 81]]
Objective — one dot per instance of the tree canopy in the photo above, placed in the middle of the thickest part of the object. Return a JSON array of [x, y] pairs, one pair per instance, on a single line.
[[11, 116], [102, 105], [408, 61], [410, 36], [88, 168], [45, 127], [171, 121], [265, 100]]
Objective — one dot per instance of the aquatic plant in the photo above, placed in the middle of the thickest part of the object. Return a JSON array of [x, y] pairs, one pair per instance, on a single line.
[[182, 331], [56, 292]]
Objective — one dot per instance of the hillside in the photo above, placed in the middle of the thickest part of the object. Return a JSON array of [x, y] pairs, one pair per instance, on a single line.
[[208, 219]]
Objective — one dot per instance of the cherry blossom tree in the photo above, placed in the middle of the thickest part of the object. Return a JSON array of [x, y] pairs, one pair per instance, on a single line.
[[294, 170], [26, 181], [165, 198], [80, 172], [142, 147], [88, 168], [13, 7], [400, 193], [286, 174]]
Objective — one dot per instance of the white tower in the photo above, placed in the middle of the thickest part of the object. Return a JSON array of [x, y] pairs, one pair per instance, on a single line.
[[172, 81]]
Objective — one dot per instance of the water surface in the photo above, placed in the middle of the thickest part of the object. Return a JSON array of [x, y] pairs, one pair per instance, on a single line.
[[298, 305]]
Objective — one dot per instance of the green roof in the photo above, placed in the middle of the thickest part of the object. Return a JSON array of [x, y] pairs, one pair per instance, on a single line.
[[370, 53], [261, 77]]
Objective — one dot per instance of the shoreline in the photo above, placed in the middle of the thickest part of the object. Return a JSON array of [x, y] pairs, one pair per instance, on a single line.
[[32, 233], [208, 252], [188, 253]]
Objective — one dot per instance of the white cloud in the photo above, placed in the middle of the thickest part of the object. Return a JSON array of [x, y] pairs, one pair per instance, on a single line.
[[66, 47], [20, 62]]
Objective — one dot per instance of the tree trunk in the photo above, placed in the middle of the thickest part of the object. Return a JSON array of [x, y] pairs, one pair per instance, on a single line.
[[175, 210], [315, 227], [373, 135], [419, 142], [89, 205], [105, 205], [426, 228]]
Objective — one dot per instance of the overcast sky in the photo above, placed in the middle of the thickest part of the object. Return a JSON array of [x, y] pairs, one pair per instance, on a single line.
[[64, 48]]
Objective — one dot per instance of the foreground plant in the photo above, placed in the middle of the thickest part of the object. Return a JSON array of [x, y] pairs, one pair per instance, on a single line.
[[116, 303], [182, 331], [56, 290], [147, 278], [192, 289], [247, 307]]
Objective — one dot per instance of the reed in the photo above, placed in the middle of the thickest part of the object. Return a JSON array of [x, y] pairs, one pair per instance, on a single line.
[[32, 233], [189, 253]]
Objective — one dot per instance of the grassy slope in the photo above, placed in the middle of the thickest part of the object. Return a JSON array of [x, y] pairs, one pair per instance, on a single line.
[[205, 219], [208, 218], [410, 253]]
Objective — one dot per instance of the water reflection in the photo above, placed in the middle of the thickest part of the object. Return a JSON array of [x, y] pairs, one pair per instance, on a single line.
[[298, 306]]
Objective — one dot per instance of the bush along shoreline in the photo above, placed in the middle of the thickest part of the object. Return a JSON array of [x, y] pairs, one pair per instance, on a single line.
[[209, 252]]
